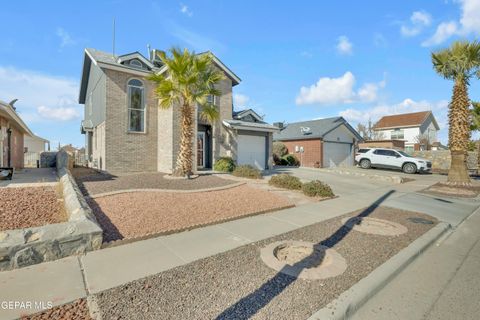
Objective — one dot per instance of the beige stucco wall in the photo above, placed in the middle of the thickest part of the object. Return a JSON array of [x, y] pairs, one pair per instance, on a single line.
[[98, 146]]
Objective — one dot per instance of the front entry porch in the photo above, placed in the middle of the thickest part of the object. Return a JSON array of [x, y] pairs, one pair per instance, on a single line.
[[204, 147]]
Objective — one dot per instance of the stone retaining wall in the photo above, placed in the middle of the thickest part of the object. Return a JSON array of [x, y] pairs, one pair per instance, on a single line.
[[441, 159], [48, 159], [81, 233]]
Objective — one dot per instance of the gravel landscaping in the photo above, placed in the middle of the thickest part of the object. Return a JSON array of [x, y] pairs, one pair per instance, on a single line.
[[138, 214], [445, 190], [238, 285], [77, 310], [92, 182], [30, 207]]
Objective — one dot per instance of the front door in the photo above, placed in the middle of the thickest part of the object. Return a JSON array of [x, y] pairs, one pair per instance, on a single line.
[[200, 149]]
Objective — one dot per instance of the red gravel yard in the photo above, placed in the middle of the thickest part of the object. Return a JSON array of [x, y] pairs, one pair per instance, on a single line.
[[30, 207], [92, 182], [137, 214]]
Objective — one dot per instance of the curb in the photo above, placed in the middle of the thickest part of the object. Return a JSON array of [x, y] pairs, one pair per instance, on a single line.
[[351, 300]]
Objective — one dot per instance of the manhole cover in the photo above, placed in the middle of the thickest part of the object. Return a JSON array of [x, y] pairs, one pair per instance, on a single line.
[[303, 259], [420, 220], [374, 226]]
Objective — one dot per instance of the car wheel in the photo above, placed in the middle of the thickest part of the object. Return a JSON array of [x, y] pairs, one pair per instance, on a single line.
[[409, 168], [365, 164]]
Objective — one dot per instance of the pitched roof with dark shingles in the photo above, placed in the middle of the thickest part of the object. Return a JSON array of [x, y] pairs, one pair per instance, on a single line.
[[403, 120], [312, 129]]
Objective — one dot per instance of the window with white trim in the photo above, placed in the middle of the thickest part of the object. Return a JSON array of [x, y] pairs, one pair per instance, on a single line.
[[136, 106], [397, 134], [211, 99], [135, 63]]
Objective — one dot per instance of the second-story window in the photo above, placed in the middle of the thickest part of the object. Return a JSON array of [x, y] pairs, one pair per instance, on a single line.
[[136, 106], [211, 99], [397, 134]]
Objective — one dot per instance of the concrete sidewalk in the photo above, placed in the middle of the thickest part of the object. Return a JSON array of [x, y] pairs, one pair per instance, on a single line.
[[443, 283], [64, 280]]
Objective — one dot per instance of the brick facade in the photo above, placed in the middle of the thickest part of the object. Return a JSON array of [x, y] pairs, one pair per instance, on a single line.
[[16, 145], [126, 151], [312, 151]]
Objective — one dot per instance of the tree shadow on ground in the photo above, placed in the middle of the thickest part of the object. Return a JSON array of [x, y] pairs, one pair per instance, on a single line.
[[249, 305]]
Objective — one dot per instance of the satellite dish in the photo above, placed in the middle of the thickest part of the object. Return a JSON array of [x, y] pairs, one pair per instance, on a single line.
[[305, 130]]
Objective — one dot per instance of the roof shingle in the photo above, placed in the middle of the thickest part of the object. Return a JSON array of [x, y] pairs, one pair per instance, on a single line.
[[403, 120]]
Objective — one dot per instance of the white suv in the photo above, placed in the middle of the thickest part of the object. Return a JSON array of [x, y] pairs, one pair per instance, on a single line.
[[391, 159]]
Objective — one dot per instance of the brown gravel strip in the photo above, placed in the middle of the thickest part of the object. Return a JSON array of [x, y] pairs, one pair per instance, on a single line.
[[92, 182], [30, 207], [238, 285], [77, 310], [133, 215]]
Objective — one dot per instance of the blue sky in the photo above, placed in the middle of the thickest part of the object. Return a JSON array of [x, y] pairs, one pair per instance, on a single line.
[[298, 60]]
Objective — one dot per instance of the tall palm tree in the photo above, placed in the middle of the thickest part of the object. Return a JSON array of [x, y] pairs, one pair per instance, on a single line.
[[459, 63], [188, 82]]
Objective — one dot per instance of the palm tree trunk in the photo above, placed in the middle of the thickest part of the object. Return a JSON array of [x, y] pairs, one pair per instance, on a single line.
[[459, 133], [184, 163]]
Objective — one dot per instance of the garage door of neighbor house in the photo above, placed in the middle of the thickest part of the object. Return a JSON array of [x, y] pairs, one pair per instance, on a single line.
[[337, 154], [251, 150]]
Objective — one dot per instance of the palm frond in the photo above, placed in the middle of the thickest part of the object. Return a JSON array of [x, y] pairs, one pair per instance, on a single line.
[[209, 113]]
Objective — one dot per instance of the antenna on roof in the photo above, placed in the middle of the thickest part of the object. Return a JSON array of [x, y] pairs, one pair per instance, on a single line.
[[148, 52], [113, 38]]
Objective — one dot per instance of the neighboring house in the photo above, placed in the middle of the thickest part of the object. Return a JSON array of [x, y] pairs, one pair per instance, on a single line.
[[418, 129], [12, 132], [126, 131], [36, 144], [320, 143], [33, 147], [390, 144]]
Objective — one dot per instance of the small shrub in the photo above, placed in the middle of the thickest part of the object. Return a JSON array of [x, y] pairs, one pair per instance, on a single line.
[[247, 171], [224, 164], [291, 160], [317, 188], [285, 181], [279, 149], [283, 162]]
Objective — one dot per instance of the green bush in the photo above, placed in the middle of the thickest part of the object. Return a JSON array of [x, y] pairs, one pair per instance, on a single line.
[[224, 164], [285, 181], [247, 171], [279, 149], [317, 188], [291, 160]]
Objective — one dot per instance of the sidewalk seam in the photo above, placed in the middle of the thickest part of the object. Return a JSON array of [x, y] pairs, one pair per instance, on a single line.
[[84, 278]]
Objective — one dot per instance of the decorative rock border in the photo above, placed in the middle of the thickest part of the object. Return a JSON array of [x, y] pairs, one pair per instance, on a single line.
[[374, 226], [111, 193], [81, 233]]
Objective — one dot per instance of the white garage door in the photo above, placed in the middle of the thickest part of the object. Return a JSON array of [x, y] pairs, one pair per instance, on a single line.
[[337, 155], [251, 150]]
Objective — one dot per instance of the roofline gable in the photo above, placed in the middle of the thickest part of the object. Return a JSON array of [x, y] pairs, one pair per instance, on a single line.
[[133, 55]]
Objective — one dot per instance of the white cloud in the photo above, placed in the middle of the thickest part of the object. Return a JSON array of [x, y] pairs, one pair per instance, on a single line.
[[344, 46], [60, 113], [444, 31], [338, 91], [240, 100], [469, 23], [65, 38], [306, 54], [185, 10], [38, 93], [418, 21], [439, 108]]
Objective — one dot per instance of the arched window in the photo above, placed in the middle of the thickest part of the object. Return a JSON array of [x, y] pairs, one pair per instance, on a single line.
[[136, 106], [136, 63]]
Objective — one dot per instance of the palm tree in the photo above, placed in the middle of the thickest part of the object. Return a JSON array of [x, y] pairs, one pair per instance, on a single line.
[[459, 63], [188, 82]]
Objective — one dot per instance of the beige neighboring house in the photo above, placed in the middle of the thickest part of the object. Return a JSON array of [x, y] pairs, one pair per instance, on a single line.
[[36, 144], [409, 127], [126, 131], [33, 147]]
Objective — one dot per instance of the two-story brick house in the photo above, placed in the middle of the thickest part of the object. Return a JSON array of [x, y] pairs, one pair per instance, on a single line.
[[126, 131]]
